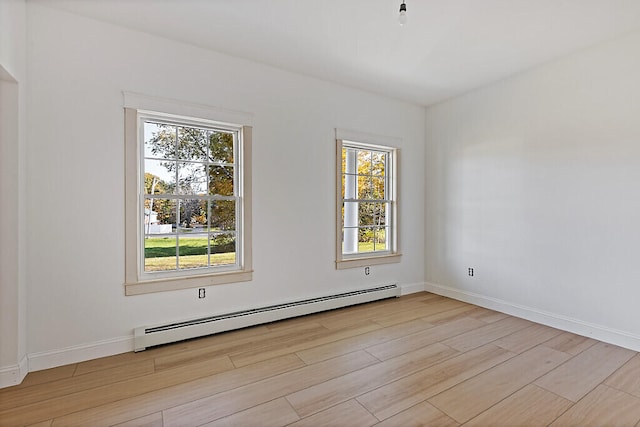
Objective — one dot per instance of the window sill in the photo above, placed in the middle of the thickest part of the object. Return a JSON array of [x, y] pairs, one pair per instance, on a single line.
[[187, 282], [367, 261]]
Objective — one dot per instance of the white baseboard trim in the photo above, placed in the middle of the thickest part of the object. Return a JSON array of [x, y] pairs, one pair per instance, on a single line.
[[79, 353], [97, 349], [13, 375], [411, 288], [579, 327]]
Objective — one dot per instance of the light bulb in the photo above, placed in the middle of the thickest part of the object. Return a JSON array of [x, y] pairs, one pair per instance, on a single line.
[[402, 17]]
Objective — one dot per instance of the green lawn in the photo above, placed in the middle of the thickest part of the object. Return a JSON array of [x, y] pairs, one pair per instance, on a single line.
[[160, 253], [368, 247], [157, 247], [192, 261]]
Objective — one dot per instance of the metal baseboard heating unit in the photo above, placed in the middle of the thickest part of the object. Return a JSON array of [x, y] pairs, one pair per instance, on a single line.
[[162, 334]]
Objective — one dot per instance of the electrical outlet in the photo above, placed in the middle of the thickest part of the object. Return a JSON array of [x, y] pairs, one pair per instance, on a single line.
[[367, 270], [470, 271], [201, 293]]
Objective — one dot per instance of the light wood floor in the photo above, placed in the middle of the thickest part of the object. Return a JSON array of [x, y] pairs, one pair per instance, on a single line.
[[417, 360]]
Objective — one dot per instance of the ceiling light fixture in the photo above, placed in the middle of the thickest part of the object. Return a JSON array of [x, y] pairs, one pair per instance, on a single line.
[[402, 18]]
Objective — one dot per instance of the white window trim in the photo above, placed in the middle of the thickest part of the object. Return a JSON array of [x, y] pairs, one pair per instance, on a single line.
[[385, 143], [135, 283]]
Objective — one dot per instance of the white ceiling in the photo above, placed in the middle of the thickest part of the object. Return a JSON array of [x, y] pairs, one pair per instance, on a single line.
[[448, 46]]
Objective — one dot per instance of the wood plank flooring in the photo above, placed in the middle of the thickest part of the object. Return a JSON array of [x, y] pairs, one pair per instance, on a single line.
[[418, 360]]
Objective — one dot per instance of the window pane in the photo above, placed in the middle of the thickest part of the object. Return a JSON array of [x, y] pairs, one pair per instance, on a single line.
[[193, 249], [378, 163], [221, 180], [159, 141], [366, 213], [223, 215], [160, 252], [160, 237], [192, 178], [350, 240], [365, 239], [349, 186], [364, 162], [159, 176], [221, 147], [192, 144], [373, 214], [350, 214], [380, 238], [223, 248], [378, 188], [193, 215], [159, 216], [365, 188]]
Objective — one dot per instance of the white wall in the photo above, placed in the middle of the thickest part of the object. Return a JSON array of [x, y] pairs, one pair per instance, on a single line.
[[13, 364], [78, 69], [535, 182]]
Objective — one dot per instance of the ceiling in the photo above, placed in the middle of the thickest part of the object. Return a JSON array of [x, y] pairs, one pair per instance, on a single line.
[[448, 47]]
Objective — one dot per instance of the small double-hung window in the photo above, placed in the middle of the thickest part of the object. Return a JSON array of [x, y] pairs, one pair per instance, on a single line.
[[191, 210], [366, 204]]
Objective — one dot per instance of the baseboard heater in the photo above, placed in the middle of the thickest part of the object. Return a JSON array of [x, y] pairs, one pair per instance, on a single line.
[[149, 336]]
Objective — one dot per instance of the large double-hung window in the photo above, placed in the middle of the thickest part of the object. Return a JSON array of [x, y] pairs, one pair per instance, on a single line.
[[189, 203], [366, 204], [192, 216]]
